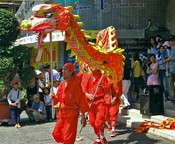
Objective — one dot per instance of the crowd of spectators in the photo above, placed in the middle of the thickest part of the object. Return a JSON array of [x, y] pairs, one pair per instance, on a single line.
[[157, 67], [39, 103]]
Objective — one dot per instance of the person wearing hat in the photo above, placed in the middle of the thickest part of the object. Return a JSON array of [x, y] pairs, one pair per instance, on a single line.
[[71, 99], [13, 98], [166, 52], [171, 61], [95, 85], [37, 112]]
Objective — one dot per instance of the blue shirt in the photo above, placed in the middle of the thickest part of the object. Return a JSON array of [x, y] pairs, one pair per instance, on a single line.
[[39, 107], [172, 62], [61, 79]]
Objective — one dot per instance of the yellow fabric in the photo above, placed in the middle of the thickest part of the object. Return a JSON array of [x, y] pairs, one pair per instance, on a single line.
[[137, 69]]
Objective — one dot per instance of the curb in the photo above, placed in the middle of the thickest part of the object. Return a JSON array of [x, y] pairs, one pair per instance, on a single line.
[[132, 118]]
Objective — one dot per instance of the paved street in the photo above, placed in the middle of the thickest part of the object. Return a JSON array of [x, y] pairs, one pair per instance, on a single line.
[[31, 133]]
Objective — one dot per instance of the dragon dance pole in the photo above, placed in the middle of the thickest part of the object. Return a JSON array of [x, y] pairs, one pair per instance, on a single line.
[[51, 72]]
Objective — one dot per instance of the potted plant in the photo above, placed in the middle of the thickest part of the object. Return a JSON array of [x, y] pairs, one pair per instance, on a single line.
[[4, 106]]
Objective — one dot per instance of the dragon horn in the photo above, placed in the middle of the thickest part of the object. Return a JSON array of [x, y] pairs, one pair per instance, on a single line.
[[80, 23], [88, 37], [84, 31], [92, 43], [72, 53], [70, 8], [76, 16]]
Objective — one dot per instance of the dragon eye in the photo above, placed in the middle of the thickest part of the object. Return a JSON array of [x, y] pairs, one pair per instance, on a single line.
[[48, 15]]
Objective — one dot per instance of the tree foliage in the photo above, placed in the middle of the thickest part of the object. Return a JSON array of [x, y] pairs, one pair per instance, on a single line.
[[5, 65], [21, 55], [8, 28], [13, 59]]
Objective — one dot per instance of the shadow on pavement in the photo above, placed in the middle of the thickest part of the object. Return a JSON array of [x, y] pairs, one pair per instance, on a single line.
[[132, 137]]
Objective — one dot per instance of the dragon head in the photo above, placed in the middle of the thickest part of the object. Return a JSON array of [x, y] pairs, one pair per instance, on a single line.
[[46, 19]]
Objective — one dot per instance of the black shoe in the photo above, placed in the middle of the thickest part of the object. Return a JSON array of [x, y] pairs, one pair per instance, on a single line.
[[126, 107]]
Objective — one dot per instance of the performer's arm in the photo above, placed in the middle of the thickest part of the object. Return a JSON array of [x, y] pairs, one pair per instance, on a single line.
[[81, 99]]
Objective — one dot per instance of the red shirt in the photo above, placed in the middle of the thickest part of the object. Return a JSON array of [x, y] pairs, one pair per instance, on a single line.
[[111, 92], [90, 85], [71, 98], [119, 90]]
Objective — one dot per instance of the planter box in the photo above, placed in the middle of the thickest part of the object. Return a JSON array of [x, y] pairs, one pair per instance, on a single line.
[[4, 112]]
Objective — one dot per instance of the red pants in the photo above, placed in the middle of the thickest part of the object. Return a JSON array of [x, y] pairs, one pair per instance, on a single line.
[[65, 130], [111, 112], [96, 117]]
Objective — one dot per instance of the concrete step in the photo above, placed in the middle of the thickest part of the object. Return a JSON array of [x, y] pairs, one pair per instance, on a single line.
[[169, 108], [132, 113], [132, 118], [168, 134], [135, 114]]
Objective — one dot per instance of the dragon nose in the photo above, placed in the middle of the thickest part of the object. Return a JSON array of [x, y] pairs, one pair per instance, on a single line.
[[26, 24]]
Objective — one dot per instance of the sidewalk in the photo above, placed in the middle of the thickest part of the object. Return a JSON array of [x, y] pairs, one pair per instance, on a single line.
[[132, 118], [32, 133]]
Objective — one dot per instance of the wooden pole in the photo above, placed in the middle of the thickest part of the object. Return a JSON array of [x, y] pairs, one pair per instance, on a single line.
[[51, 73]]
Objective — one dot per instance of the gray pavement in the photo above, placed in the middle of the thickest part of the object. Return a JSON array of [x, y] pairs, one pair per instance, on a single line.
[[32, 133]]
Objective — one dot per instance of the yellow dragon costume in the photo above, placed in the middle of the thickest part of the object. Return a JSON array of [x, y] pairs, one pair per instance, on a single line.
[[104, 55]]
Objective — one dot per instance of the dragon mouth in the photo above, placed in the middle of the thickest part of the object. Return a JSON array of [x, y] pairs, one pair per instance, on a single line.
[[37, 24], [41, 25], [40, 38]]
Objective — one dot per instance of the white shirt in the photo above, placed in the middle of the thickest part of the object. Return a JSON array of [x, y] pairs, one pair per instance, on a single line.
[[13, 96], [55, 89], [56, 75]]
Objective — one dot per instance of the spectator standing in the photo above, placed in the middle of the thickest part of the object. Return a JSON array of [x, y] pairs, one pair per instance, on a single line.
[[126, 83], [47, 69], [37, 112], [154, 46], [137, 71], [162, 70], [167, 52], [171, 60], [14, 97], [153, 71], [48, 103], [159, 40]]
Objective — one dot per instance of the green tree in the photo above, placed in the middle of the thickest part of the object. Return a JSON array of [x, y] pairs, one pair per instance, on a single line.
[[8, 28], [13, 59]]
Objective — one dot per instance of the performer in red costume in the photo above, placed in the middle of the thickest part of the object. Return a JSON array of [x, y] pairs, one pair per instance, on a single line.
[[94, 86], [112, 106], [71, 100]]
